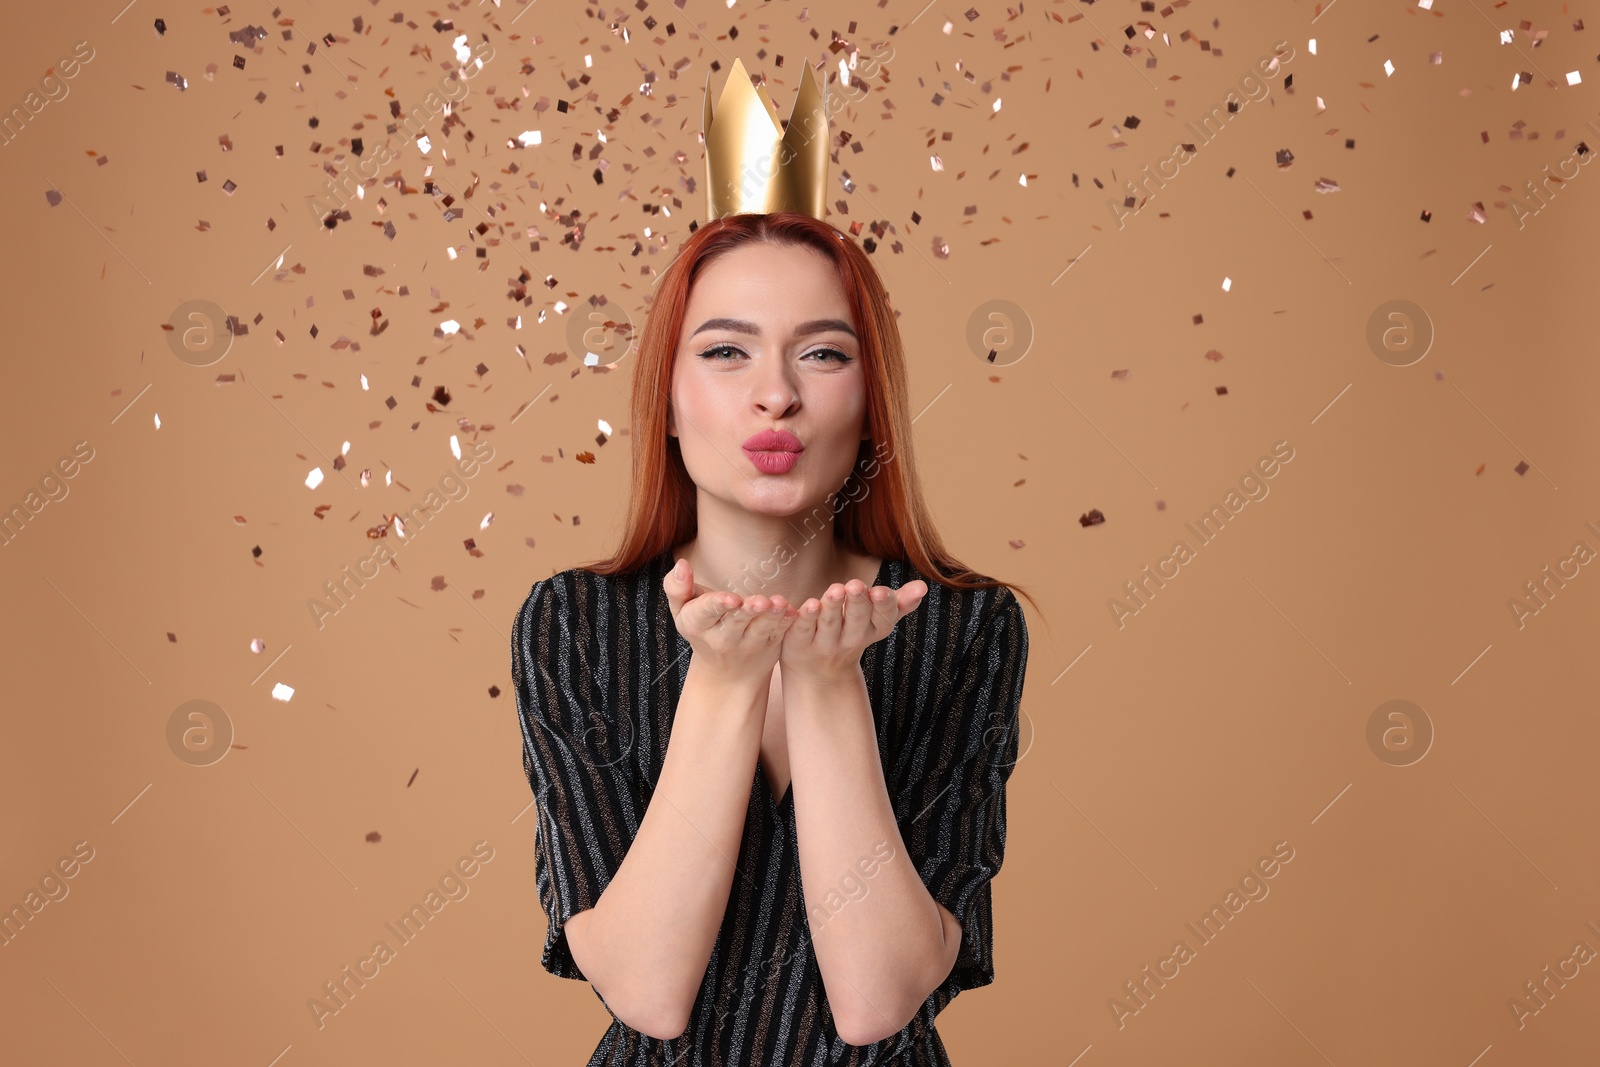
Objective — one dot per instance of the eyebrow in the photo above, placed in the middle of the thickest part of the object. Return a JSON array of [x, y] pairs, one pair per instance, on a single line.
[[805, 328]]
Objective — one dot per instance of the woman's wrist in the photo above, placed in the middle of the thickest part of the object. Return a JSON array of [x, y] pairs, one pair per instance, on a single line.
[[823, 681], [732, 688]]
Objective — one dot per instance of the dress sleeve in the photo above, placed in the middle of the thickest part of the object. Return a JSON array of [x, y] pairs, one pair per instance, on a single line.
[[958, 838], [576, 744]]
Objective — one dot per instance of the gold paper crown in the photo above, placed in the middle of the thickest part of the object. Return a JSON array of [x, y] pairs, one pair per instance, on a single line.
[[753, 164]]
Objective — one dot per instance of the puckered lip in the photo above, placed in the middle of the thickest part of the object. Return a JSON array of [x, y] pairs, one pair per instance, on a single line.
[[774, 441]]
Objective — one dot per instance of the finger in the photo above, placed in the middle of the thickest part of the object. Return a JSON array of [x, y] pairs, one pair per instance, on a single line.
[[857, 615], [776, 620], [676, 585], [682, 588], [761, 610], [909, 598], [746, 616], [832, 614], [885, 610], [804, 625], [762, 616], [719, 608]]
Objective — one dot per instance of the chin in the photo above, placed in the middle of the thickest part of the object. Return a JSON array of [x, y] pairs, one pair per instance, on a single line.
[[785, 504]]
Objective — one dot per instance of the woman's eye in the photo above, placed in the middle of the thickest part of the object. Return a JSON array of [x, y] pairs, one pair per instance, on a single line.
[[711, 353], [841, 357]]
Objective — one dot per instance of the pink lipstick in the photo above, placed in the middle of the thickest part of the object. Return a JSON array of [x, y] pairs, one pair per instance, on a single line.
[[774, 451]]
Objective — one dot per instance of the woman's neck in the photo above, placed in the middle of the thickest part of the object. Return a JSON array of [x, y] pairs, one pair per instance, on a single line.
[[795, 570]]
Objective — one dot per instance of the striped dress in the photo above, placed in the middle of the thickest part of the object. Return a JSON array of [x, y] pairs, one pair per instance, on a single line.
[[597, 666]]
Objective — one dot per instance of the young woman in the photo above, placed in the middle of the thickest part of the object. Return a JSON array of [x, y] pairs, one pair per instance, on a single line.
[[769, 738]]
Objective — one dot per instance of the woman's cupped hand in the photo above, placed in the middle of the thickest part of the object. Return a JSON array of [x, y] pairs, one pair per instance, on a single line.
[[743, 638]]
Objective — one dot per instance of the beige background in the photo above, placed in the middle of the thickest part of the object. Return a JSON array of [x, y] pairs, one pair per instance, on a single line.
[[1166, 756]]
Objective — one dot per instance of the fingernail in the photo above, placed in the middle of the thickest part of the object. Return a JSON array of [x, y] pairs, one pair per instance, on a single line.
[[677, 571]]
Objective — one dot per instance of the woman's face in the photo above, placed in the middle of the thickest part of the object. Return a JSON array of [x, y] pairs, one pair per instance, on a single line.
[[768, 343]]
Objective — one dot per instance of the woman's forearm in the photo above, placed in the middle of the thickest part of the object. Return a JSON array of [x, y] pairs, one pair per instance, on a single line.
[[880, 954], [646, 942]]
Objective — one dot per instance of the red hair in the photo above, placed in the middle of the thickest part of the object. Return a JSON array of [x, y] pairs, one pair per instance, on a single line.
[[890, 519]]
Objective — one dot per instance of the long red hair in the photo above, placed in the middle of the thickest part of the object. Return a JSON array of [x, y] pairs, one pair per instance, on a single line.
[[890, 520]]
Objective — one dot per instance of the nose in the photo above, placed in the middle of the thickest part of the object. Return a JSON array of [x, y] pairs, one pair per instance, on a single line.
[[775, 393]]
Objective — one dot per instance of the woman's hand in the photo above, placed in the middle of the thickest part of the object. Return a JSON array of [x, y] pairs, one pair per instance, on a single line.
[[827, 636], [735, 638]]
